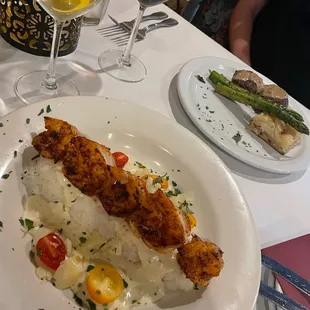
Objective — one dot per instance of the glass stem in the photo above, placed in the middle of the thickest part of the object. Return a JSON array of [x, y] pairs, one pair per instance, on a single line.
[[49, 82], [125, 60]]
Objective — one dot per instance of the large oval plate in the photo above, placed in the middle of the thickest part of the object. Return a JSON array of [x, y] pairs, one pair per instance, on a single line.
[[220, 119], [221, 210]]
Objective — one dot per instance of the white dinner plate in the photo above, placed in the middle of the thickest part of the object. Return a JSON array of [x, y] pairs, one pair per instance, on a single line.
[[220, 119], [221, 210]]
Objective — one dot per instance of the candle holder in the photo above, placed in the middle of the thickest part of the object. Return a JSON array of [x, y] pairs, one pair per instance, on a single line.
[[26, 26]]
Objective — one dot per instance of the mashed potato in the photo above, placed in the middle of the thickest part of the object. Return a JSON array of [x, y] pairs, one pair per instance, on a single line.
[[93, 238]]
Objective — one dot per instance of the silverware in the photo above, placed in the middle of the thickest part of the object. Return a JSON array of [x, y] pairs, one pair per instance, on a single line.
[[170, 22], [128, 25], [278, 298]]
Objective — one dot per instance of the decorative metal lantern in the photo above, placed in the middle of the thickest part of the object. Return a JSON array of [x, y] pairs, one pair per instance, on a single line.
[[26, 26]]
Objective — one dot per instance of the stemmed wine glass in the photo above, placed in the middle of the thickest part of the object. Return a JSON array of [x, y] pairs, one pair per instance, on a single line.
[[121, 65], [40, 85]]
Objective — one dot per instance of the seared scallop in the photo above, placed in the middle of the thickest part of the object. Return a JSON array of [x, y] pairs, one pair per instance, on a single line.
[[200, 260]]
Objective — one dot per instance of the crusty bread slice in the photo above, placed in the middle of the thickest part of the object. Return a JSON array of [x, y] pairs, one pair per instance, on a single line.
[[282, 137]]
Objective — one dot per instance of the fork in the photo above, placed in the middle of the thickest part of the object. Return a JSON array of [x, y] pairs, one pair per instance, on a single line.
[[170, 22], [278, 298], [118, 29]]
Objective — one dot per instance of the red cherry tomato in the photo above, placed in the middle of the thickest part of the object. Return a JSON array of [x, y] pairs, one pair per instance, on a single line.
[[51, 250], [121, 159]]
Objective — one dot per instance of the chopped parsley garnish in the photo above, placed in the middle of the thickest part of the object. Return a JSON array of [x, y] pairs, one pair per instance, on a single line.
[[237, 137], [22, 222], [102, 245], [79, 285], [41, 112], [83, 232], [91, 250], [109, 122], [90, 267], [134, 301], [1, 125], [200, 79], [29, 224], [15, 154], [139, 165], [48, 109], [175, 193], [31, 254], [60, 230], [68, 222], [125, 283], [39, 251], [83, 239], [27, 120], [20, 141], [102, 269], [187, 209], [159, 179], [167, 177], [35, 157], [5, 176], [211, 112], [92, 305], [98, 292], [195, 287], [174, 184], [78, 300]]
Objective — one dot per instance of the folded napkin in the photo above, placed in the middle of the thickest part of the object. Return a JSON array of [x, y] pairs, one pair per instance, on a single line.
[[294, 254]]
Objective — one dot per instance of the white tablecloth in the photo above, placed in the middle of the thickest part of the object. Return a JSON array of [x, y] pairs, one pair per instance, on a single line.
[[280, 204]]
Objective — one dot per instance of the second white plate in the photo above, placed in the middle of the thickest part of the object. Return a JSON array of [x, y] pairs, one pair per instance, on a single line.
[[221, 119]]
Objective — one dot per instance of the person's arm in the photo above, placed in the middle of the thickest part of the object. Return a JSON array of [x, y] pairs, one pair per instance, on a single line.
[[241, 24]]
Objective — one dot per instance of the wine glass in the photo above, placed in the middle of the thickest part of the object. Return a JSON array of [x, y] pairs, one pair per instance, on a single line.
[[40, 85], [121, 65]]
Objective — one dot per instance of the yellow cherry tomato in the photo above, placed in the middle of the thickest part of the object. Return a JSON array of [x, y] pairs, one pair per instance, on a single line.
[[192, 220], [104, 284], [163, 182]]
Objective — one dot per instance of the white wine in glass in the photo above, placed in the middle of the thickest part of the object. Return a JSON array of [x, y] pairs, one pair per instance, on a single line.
[[40, 85], [62, 10]]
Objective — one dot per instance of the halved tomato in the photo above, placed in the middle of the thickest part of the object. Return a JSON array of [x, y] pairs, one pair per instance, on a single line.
[[51, 250], [121, 159]]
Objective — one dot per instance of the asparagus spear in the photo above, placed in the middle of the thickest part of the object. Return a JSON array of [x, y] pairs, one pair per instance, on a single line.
[[216, 78], [263, 105]]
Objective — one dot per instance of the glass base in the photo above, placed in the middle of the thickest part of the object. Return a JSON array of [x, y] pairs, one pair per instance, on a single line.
[[29, 87], [109, 62]]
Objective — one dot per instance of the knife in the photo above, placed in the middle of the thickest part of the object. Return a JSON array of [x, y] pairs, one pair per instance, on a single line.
[[127, 26]]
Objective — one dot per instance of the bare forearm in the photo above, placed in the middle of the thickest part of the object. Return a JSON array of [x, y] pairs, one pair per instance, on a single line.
[[241, 25]]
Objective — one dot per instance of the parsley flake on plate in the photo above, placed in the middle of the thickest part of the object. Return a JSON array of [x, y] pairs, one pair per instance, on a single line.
[[237, 137], [78, 300], [83, 240], [41, 112], [90, 267], [29, 224], [125, 283], [92, 305], [159, 179], [141, 166]]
